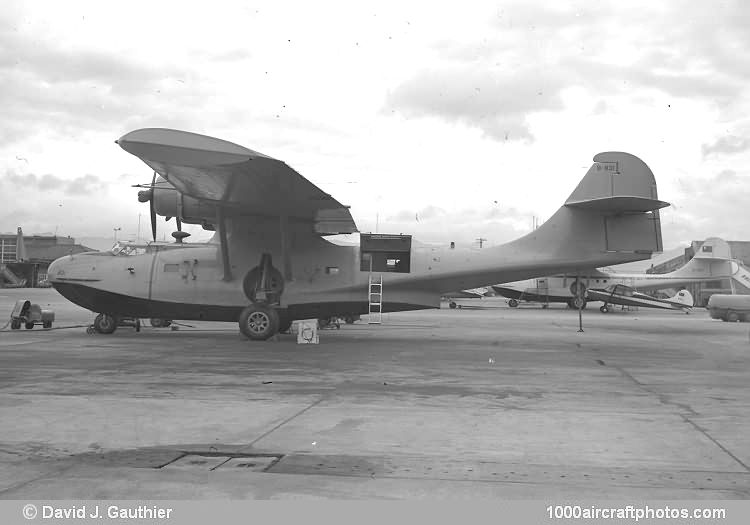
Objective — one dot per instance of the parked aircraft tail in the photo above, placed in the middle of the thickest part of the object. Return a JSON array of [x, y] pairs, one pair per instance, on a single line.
[[683, 297], [712, 260], [613, 212]]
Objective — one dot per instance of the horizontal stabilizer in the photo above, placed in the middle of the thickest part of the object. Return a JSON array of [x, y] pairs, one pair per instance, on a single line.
[[619, 204]]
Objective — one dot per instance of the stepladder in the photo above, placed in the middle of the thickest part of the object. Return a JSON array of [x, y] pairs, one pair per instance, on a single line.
[[375, 299]]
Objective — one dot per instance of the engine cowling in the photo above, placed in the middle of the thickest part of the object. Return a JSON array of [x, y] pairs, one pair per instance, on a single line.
[[171, 203]]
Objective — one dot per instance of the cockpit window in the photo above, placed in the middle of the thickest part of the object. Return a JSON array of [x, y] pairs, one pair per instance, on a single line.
[[124, 249]]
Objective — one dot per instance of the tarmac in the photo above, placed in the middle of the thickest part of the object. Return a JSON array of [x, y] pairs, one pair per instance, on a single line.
[[484, 402]]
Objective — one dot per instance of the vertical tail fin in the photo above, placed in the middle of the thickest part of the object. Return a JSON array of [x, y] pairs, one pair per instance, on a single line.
[[611, 217], [711, 260]]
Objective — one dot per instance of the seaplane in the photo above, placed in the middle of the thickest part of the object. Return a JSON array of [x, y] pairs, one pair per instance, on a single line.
[[712, 261], [626, 296], [269, 262]]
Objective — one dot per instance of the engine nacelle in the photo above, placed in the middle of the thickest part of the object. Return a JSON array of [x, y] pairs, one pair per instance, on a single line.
[[171, 203]]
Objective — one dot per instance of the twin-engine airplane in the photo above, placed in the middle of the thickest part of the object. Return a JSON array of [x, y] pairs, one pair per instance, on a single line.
[[269, 263], [712, 261]]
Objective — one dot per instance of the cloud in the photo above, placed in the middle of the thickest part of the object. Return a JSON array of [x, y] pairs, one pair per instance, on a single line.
[[72, 89], [496, 102], [709, 207], [726, 145], [83, 185], [533, 54]]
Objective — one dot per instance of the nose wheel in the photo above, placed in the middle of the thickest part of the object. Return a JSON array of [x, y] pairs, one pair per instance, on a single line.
[[105, 324]]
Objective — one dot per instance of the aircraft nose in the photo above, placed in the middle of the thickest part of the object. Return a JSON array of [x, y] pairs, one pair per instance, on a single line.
[[57, 269]]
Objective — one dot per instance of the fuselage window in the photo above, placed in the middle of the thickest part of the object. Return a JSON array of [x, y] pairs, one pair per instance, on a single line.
[[332, 270]]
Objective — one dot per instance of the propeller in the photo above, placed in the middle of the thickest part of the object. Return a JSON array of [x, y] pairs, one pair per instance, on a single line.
[[152, 209], [148, 196]]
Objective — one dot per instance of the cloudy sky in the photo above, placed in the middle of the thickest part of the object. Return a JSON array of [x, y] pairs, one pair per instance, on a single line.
[[449, 120]]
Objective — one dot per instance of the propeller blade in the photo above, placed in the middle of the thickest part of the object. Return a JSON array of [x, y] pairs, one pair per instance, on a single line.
[[152, 209]]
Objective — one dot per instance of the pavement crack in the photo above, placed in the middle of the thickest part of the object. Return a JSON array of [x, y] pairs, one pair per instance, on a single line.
[[685, 412], [284, 422]]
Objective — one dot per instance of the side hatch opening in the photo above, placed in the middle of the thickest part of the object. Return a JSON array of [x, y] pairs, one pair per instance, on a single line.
[[385, 253]]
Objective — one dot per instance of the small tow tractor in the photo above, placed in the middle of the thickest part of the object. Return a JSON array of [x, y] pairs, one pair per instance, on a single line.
[[27, 314]]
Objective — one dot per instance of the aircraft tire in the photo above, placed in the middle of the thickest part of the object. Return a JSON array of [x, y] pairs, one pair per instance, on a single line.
[[47, 324], [603, 309], [575, 301], [105, 324], [15, 324], [513, 303], [29, 326], [258, 322], [349, 319], [451, 305], [158, 322], [732, 317]]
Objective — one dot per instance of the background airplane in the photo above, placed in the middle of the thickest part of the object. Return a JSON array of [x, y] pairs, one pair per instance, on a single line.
[[270, 264], [626, 296], [713, 261], [475, 293]]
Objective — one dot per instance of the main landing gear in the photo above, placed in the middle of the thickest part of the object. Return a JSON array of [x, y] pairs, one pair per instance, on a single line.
[[263, 286]]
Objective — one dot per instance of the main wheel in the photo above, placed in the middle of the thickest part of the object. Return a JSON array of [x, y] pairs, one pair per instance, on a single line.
[[513, 303], [259, 322], [451, 305], [732, 317], [349, 319], [105, 324], [47, 324], [157, 322], [604, 309], [15, 324], [29, 326]]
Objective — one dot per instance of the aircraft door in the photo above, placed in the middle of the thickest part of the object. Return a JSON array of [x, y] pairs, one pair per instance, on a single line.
[[385, 253]]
